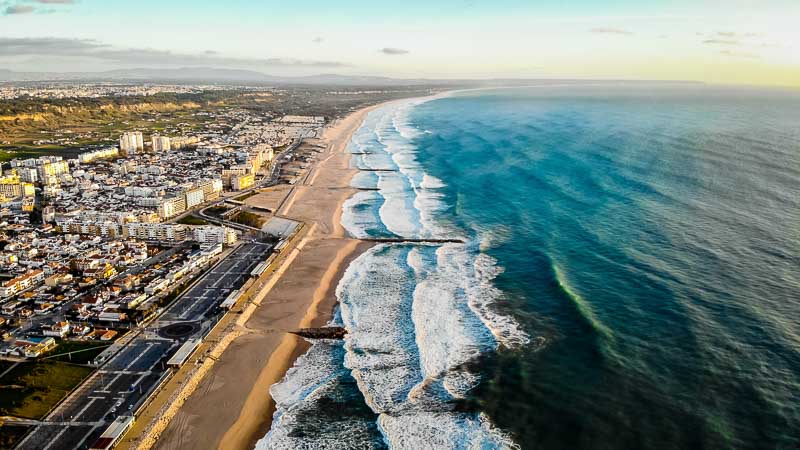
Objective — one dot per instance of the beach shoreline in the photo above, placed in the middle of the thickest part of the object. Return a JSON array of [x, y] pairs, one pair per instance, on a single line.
[[231, 407]]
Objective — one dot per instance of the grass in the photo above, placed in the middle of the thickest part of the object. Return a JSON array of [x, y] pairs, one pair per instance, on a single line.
[[217, 211], [192, 220], [7, 153], [10, 435], [86, 351], [249, 219], [244, 197], [4, 365], [32, 389]]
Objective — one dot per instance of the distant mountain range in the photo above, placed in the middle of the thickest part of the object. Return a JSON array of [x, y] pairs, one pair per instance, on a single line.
[[237, 76], [212, 75]]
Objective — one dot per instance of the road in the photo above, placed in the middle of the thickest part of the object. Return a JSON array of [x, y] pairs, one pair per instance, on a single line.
[[127, 379], [267, 181]]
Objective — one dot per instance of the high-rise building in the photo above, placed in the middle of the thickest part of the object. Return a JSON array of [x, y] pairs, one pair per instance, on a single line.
[[10, 187], [161, 144], [52, 169], [242, 182], [131, 142]]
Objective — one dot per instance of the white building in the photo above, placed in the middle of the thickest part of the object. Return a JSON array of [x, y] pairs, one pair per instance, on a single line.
[[210, 235], [131, 142], [194, 197], [156, 232], [88, 157], [28, 175], [161, 144]]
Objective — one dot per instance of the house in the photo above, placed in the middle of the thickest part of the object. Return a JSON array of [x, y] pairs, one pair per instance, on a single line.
[[108, 335], [58, 329], [34, 347]]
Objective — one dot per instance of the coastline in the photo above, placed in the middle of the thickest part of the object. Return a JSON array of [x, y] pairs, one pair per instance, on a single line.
[[231, 407]]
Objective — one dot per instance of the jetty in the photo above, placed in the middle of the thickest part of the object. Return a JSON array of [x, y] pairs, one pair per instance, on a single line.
[[321, 333], [413, 241]]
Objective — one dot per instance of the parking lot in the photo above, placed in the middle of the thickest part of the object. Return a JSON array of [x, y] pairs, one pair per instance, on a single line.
[[125, 381], [116, 389], [215, 286]]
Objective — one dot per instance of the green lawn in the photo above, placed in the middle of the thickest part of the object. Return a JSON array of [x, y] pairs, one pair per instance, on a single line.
[[250, 219], [217, 211], [244, 197], [85, 351], [32, 389], [192, 220], [10, 435]]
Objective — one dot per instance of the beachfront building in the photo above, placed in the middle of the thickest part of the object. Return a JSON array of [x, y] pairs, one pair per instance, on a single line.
[[211, 235]]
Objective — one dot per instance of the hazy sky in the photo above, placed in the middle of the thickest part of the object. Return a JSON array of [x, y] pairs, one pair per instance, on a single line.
[[730, 41]]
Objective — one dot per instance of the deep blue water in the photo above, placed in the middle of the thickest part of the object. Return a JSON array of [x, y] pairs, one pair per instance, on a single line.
[[629, 276], [651, 237]]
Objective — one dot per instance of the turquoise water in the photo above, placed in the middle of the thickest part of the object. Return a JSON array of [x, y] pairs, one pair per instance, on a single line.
[[629, 277]]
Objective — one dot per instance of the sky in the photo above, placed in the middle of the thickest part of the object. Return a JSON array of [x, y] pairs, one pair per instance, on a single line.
[[716, 41]]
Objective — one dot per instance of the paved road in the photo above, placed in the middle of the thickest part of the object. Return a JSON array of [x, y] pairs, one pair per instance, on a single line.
[[125, 381], [115, 389], [214, 287]]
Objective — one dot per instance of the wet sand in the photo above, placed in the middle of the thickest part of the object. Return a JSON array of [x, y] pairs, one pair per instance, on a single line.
[[232, 408]]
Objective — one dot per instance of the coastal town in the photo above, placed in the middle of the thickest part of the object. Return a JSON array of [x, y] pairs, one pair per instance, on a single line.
[[115, 266]]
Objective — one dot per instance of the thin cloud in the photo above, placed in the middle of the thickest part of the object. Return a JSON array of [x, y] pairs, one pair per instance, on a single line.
[[393, 51], [736, 54], [87, 48], [606, 30], [733, 34], [729, 42], [18, 9], [317, 40]]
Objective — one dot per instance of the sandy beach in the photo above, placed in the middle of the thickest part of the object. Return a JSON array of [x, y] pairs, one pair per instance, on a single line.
[[231, 407]]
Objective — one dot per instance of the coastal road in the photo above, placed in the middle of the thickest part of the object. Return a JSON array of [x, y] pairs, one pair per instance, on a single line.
[[126, 380]]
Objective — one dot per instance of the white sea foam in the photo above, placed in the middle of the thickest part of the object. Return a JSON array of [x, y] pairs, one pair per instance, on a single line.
[[416, 315], [437, 430], [365, 180], [357, 216], [317, 377]]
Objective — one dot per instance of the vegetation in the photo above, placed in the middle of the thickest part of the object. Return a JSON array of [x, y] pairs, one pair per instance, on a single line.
[[244, 197], [217, 211], [77, 352], [32, 389], [10, 435], [249, 219], [192, 220]]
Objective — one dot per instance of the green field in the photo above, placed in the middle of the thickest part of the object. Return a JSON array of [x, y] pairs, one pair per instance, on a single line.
[[249, 219], [192, 220], [32, 389], [244, 197], [10, 435], [217, 211], [82, 352]]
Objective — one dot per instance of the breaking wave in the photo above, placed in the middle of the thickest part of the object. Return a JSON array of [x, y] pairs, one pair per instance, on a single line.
[[416, 314]]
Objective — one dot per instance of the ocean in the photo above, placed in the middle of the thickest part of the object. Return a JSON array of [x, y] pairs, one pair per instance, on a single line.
[[627, 276]]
